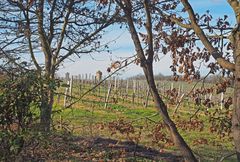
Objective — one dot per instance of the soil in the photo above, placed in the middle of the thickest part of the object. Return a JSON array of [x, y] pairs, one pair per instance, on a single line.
[[72, 148]]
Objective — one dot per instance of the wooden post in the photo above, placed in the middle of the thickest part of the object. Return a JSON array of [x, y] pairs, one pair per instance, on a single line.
[[127, 90], [93, 79], [86, 77], [105, 90], [82, 78], [179, 91], [79, 85], [115, 84], [147, 98], [138, 91], [79, 78], [67, 76], [66, 94], [108, 94], [134, 91], [89, 77], [133, 98], [182, 88], [93, 82], [120, 88], [210, 96], [71, 86], [99, 90], [134, 86], [222, 96], [163, 87]]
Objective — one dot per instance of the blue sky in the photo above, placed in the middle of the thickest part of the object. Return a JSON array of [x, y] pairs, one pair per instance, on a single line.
[[123, 46]]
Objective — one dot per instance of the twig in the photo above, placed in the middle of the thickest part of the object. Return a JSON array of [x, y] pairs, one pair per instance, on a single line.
[[94, 87], [146, 117], [195, 113], [193, 87], [178, 104], [227, 156]]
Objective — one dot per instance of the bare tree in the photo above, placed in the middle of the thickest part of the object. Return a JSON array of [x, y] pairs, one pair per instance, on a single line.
[[135, 16], [47, 32]]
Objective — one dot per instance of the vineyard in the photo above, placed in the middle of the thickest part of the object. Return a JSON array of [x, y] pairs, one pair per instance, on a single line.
[[124, 110], [133, 91]]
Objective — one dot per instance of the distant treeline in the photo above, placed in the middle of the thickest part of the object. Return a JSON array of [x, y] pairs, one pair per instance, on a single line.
[[209, 79]]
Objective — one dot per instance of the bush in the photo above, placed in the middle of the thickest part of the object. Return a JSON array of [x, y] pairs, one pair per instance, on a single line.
[[18, 95]]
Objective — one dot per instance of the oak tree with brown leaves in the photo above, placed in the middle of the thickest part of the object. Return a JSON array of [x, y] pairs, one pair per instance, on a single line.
[[139, 14], [220, 40]]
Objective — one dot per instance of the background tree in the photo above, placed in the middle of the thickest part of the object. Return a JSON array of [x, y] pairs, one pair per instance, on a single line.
[[44, 33]]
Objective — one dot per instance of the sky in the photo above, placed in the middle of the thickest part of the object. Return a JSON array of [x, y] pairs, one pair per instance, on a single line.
[[123, 47]]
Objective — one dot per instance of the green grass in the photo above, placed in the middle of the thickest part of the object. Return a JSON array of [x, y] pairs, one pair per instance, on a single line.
[[89, 113]]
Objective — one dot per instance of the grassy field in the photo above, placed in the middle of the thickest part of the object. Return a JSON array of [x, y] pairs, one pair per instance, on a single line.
[[124, 121]]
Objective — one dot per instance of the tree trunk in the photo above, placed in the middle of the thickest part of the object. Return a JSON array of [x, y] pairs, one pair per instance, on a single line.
[[47, 101], [146, 64], [46, 111], [185, 150], [236, 97]]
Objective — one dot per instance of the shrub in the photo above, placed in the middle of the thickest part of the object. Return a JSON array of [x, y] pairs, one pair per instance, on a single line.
[[18, 95]]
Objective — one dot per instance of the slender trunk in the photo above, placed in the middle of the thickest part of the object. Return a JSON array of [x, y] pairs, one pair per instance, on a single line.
[[236, 97], [236, 117], [47, 101], [186, 151], [46, 111], [146, 64]]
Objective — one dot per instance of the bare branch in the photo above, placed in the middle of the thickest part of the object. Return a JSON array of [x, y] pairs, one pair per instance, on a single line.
[[187, 26], [51, 30], [149, 31], [175, 20], [236, 8], [134, 34], [26, 14], [214, 52], [227, 156], [59, 45], [43, 38], [99, 83], [185, 95], [12, 60], [72, 50]]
